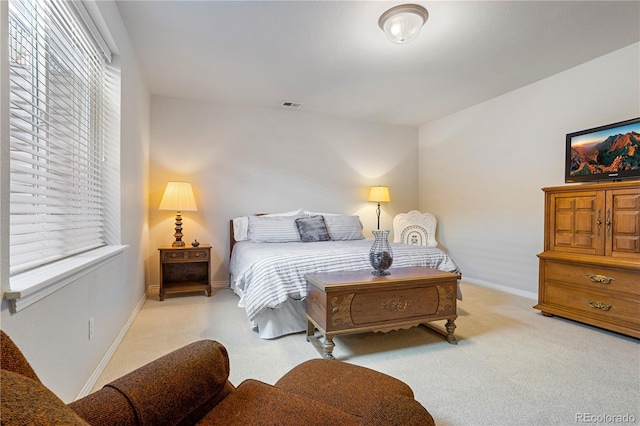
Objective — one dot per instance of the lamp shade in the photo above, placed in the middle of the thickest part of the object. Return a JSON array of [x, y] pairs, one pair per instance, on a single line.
[[178, 196], [402, 23], [379, 194]]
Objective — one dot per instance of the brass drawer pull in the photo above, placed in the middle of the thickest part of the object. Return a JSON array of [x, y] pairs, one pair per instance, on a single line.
[[601, 279], [600, 305]]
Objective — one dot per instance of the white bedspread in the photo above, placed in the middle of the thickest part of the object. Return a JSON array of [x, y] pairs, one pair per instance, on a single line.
[[265, 275]]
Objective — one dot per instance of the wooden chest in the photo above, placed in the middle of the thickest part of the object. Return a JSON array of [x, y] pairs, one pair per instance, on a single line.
[[357, 301]]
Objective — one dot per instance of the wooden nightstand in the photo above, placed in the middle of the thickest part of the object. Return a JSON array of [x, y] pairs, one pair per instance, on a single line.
[[185, 269]]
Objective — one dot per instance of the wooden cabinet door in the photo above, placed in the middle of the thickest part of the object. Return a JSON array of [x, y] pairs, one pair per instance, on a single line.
[[622, 223], [576, 222]]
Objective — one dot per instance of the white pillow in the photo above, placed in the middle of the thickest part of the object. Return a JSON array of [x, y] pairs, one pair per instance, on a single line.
[[273, 229], [308, 213], [291, 213], [240, 228], [343, 228]]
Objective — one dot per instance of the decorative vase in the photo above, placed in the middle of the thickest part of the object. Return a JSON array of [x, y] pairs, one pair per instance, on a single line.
[[380, 255]]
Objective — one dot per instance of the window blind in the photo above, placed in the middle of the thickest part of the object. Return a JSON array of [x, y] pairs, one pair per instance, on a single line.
[[57, 79]]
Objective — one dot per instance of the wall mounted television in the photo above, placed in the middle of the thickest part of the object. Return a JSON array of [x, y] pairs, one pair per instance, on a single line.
[[604, 153]]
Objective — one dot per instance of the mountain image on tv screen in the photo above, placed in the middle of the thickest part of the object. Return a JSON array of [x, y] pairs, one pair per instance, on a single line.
[[616, 153]]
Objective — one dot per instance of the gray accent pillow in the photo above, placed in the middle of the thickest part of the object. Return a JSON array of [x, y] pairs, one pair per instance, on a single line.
[[312, 229]]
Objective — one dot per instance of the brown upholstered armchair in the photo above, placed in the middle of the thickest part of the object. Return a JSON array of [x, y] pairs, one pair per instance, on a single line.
[[190, 386]]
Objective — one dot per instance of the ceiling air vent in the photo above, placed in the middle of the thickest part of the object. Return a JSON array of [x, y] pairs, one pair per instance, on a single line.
[[291, 104]]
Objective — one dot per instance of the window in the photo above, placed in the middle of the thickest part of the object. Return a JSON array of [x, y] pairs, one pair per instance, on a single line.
[[57, 131]]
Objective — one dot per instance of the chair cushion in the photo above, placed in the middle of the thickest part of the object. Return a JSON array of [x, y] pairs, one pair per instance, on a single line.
[[27, 402], [259, 404], [396, 410], [341, 384]]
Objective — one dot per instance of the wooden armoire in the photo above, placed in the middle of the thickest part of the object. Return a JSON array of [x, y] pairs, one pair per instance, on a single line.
[[590, 267]]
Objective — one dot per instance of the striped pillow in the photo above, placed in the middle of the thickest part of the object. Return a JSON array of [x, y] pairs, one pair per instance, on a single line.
[[343, 228], [241, 224], [273, 229]]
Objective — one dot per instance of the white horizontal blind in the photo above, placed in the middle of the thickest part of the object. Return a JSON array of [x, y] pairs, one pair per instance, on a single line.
[[57, 79]]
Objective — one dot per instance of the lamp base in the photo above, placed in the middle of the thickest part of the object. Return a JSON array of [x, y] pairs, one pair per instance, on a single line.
[[178, 234]]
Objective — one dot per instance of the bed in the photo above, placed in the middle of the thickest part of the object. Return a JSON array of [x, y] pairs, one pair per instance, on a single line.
[[270, 254]]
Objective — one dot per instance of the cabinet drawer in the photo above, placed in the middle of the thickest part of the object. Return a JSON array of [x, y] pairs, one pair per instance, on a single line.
[[593, 277], [181, 255], [602, 305]]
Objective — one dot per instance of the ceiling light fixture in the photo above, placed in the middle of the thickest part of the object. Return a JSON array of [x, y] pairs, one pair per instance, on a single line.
[[291, 104], [402, 23]]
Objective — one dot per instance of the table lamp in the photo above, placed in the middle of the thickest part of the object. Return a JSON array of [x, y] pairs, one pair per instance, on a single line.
[[178, 196], [379, 194]]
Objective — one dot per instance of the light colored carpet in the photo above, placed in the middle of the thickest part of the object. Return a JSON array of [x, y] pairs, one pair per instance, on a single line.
[[512, 366]]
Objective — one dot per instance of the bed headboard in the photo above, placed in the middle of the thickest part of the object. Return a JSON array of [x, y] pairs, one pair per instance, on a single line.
[[232, 238]]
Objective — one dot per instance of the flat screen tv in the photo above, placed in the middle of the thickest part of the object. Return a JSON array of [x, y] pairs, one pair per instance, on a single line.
[[610, 152]]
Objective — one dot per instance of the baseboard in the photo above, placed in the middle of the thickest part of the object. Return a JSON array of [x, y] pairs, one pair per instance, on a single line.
[[153, 290], [510, 290], [220, 284], [86, 389]]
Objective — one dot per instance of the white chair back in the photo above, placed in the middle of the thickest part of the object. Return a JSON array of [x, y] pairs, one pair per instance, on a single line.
[[415, 228]]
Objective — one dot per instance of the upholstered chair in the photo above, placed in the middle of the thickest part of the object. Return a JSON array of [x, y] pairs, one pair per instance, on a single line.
[[190, 386]]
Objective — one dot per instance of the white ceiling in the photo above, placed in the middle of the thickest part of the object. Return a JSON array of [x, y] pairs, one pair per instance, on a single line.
[[332, 57]]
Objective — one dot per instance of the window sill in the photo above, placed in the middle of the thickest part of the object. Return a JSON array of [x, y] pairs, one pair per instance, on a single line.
[[29, 287]]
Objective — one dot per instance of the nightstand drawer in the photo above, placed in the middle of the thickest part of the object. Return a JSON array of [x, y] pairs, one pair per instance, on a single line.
[[593, 277], [182, 255]]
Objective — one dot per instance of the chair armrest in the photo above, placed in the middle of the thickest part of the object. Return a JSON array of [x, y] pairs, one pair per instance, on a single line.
[[178, 388], [397, 410], [105, 407]]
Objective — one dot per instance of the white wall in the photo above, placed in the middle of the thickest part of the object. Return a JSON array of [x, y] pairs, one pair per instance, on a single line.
[[482, 169], [53, 333], [244, 160]]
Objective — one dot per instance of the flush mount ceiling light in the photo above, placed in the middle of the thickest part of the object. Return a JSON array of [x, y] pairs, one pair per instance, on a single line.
[[402, 23]]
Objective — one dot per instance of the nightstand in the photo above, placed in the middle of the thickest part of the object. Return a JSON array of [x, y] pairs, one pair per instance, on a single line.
[[185, 269]]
